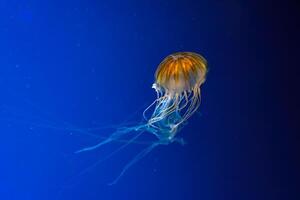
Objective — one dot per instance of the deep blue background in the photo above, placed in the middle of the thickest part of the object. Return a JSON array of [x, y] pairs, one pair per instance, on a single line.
[[91, 63]]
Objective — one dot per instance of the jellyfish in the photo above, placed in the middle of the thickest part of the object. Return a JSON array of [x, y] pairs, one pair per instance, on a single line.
[[178, 81]]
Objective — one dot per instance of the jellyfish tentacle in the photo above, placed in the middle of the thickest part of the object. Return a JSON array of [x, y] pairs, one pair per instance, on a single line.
[[140, 155], [181, 101], [95, 146], [164, 111], [167, 111], [112, 153], [153, 103], [186, 99], [161, 103], [122, 147], [193, 105], [89, 168], [115, 136]]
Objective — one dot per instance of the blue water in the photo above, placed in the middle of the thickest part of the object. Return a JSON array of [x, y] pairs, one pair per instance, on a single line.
[[68, 65]]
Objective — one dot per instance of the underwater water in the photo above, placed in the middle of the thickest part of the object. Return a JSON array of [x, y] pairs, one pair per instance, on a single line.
[[71, 72]]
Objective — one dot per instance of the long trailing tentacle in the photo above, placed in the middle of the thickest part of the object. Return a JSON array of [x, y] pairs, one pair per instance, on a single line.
[[86, 170], [115, 136], [142, 154], [41, 120]]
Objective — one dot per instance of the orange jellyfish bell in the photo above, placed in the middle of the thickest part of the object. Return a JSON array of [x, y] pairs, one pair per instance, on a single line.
[[182, 71]]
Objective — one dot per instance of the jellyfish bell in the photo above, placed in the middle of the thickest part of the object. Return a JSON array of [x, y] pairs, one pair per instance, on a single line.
[[180, 72]]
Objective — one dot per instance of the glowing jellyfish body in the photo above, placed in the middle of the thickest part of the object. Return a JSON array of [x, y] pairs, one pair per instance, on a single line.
[[177, 83], [178, 80]]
